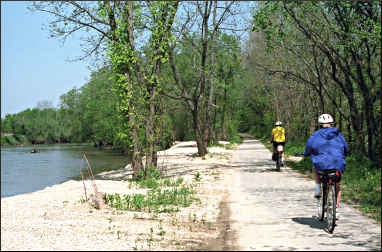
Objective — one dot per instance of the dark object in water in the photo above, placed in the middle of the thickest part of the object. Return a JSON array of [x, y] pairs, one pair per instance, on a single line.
[[34, 151]]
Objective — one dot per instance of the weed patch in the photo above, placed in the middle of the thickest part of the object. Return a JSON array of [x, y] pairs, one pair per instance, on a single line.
[[164, 196], [156, 200]]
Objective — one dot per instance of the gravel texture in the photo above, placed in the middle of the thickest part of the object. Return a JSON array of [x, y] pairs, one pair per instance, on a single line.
[[55, 219]]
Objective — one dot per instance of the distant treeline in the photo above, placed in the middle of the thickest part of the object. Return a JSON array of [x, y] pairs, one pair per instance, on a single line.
[[205, 84], [90, 114], [86, 114]]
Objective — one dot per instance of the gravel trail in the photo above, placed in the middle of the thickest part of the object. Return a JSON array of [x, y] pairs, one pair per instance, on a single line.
[[273, 210]]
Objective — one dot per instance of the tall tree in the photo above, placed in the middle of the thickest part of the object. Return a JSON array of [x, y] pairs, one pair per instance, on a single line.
[[114, 26], [204, 19], [347, 37]]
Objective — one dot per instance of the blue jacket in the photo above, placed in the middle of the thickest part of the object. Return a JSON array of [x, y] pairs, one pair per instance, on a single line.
[[328, 149]]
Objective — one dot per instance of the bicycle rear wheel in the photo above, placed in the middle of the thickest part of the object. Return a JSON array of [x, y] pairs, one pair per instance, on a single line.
[[278, 161], [331, 208], [322, 202]]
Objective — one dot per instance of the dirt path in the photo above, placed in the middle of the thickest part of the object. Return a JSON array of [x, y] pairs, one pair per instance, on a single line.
[[273, 210]]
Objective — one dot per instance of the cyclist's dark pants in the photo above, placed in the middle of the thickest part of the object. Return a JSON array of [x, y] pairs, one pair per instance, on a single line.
[[338, 174], [275, 148], [277, 143]]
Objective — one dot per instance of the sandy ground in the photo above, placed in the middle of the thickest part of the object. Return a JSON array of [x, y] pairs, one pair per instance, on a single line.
[[245, 205], [55, 219]]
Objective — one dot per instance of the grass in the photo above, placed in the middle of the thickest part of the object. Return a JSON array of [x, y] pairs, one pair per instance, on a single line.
[[164, 196], [361, 182], [197, 176]]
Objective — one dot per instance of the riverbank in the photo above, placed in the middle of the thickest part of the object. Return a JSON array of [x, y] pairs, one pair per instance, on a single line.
[[24, 172], [57, 218]]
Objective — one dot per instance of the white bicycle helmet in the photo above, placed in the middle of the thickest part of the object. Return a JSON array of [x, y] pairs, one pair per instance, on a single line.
[[278, 123], [325, 118]]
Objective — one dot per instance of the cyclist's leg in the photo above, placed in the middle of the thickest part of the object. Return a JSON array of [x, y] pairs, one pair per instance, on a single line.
[[338, 194], [274, 149], [316, 178], [338, 190], [282, 155]]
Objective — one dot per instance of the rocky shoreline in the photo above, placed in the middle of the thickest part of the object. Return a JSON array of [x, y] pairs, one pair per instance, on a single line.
[[57, 218]]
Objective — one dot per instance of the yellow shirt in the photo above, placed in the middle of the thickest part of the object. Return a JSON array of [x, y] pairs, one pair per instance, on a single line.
[[278, 133]]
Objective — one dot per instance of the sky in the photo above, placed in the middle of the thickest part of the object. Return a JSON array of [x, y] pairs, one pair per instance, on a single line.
[[34, 67]]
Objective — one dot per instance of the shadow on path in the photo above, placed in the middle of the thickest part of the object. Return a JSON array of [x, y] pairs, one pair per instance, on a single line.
[[313, 222]]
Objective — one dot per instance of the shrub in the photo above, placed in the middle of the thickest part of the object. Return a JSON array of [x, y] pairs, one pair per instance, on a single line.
[[235, 139], [4, 140], [11, 140]]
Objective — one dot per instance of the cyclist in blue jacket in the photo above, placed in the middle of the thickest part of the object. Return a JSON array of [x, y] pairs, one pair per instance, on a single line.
[[328, 148]]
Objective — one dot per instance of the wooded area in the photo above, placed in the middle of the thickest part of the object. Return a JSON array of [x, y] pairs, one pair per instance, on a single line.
[[201, 71]]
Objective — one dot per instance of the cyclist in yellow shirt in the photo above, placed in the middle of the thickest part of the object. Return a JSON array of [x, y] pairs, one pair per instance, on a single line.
[[278, 137]]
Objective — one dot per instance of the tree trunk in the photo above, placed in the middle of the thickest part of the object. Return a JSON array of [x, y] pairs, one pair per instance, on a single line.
[[213, 133], [150, 138], [200, 142], [223, 112], [350, 138], [136, 160], [210, 133]]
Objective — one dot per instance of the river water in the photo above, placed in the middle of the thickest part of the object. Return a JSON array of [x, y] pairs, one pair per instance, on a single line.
[[24, 172]]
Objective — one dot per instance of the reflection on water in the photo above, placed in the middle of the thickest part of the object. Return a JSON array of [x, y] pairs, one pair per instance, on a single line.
[[23, 171]]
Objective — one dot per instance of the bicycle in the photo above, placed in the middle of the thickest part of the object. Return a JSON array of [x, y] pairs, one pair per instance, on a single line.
[[278, 155], [328, 201]]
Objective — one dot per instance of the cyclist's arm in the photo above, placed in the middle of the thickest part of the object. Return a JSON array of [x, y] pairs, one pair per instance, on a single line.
[[308, 148], [346, 147]]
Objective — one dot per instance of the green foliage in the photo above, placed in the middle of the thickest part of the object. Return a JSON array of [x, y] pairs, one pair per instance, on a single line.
[[336, 34], [149, 183], [171, 183], [88, 114], [4, 140], [9, 140], [362, 184], [138, 81], [236, 139], [293, 147], [197, 176], [100, 120], [156, 199], [151, 173]]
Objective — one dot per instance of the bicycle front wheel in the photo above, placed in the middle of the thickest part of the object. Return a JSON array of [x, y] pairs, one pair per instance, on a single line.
[[331, 208]]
